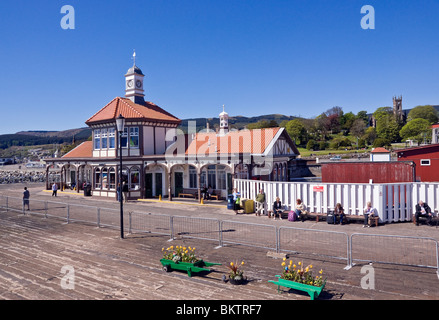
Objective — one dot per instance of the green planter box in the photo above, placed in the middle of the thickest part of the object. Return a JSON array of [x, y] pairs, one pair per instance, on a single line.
[[198, 266], [312, 291]]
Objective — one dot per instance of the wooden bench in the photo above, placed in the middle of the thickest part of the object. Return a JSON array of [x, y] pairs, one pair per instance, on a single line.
[[190, 193], [312, 291], [434, 219], [216, 194]]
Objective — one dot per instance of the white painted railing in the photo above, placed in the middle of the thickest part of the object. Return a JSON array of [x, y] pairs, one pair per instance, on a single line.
[[394, 202]]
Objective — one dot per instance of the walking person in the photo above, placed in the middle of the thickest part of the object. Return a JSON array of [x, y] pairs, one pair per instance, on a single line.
[[125, 191], [260, 202], [54, 189], [26, 197]]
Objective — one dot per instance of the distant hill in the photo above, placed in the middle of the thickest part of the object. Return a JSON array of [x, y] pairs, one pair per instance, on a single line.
[[33, 138], [40, 137], [237, 122]]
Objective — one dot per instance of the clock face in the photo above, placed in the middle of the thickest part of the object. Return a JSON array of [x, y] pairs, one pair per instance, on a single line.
[[130, 83], [138, 83]]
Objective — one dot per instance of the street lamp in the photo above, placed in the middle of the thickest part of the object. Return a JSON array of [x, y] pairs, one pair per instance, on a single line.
[[120, 124]]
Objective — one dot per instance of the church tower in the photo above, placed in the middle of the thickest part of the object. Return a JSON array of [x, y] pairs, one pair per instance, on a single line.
[[397, 109], [224, 123], [134, 83]]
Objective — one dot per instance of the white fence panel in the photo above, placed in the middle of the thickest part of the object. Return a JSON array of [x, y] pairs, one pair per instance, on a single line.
[[394, 201]]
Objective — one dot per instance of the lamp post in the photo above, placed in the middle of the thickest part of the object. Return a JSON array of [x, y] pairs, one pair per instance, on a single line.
[[120, 124]]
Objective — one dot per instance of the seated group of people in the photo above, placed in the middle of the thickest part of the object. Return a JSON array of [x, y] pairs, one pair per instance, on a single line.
[[298, 213], [422, 210]]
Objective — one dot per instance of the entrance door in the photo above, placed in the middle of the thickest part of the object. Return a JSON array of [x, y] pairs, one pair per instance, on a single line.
[[148, 185], [178, 183], [158, 184]]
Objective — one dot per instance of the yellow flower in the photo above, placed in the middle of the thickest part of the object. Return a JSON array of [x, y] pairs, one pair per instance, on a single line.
[[306, 269], [310, 266], [231, 264], [163, 249], [284, 259], [242, 263], [283, 264], [300, 263], [291, 262], [321, 271], [294, 266]]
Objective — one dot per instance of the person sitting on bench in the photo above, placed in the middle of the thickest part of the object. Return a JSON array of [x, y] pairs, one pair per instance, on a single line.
[[277, 208], [423, 210], [300, 210], [339, 212], [369, 212]]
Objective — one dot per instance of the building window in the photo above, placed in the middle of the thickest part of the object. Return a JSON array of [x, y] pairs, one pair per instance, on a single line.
[[104, 140], [425, 162], [211, 176], [97, 138], [97, 178], [192, 177], [104, 178], [111, 138], [112, 179], [124, 139], [203, 179], [222, 179], [134, 137], [134, 179]]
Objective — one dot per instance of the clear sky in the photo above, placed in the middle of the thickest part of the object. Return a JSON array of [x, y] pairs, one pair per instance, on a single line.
[[293, 57]]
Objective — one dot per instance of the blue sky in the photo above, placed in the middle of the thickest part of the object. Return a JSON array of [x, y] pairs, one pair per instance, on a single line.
[[256, 57]]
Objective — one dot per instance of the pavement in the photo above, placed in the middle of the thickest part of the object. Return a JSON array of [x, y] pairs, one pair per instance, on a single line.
[[48, 259]]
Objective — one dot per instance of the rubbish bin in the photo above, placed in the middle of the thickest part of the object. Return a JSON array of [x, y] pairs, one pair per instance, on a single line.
[[230, 202], [87, 191]]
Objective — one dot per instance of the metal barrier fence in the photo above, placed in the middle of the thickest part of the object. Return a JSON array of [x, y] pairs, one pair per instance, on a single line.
[[249, 234], [394, 249], [316, 242], [391, 249]]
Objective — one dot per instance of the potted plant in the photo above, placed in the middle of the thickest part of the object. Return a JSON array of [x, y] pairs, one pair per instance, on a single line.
[[184, 259], [236, 274], [300, 278]]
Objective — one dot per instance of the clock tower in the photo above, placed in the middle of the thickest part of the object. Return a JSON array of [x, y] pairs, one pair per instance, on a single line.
[[134, 83]]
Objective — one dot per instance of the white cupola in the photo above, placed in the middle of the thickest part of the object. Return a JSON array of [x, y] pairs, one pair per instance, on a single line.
[[224, 123], [134, 83]]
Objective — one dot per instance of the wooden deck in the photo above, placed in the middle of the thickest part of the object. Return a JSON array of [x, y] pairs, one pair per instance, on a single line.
[[33, 251]]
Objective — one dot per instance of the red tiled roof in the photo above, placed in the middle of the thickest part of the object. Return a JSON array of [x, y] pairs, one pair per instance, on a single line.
[[84, 150], [244, 141], [380, 150], [131, 110]]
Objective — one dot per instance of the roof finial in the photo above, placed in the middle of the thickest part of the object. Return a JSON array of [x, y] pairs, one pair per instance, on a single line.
[[134, 56]]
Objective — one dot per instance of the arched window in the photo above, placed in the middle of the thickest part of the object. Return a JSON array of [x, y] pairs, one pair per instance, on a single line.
[[112, 178], [104, 175], [193, 181], [241, 171], [134, 178], [97, 178]]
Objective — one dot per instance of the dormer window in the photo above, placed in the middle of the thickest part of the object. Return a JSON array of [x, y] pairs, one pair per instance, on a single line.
[[97, 139], [134, 137]]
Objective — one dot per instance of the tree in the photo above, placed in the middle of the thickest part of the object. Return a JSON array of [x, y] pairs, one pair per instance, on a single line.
[[387, 127], [370, 135], [417, 129], [424, 112], [296, 130], [347, 120], [363, 116], [358, 128]]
